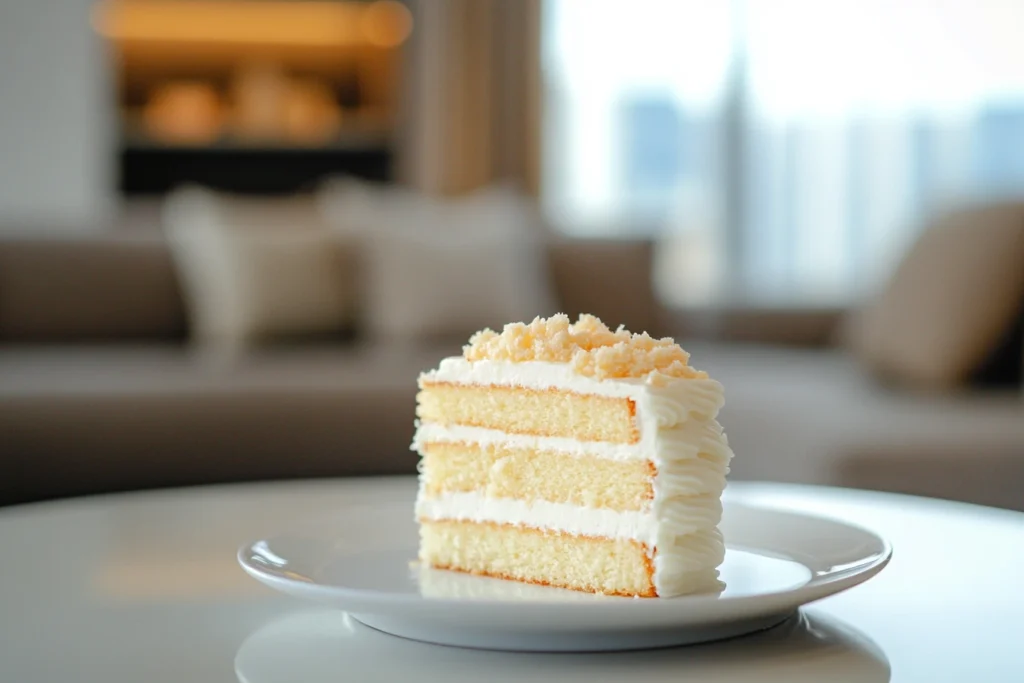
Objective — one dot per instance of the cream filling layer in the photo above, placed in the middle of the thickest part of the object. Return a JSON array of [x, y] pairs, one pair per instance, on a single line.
[[682, 442], [700, 513], [473, 506]]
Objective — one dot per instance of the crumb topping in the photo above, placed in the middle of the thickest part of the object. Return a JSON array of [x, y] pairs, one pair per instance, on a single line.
[[588, 345]]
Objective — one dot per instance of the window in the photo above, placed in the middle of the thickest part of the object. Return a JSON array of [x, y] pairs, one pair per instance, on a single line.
[[780, 150]]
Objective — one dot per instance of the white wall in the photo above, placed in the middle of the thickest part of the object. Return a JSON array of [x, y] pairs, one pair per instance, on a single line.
[[57, 124]]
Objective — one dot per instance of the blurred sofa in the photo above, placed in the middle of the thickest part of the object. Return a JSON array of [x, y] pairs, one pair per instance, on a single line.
[[102, 389]]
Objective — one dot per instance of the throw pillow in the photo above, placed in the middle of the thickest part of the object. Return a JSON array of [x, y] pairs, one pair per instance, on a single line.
[[443, 268], [950, 301], [248, 280]]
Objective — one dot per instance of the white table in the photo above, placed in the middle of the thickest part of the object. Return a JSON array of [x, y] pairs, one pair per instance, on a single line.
[[145, 587]]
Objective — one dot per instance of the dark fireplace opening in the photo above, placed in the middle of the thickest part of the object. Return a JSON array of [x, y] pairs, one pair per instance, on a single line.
[[265, 97]]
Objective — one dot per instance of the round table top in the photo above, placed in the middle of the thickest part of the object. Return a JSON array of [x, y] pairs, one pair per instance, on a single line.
[[145, 587]]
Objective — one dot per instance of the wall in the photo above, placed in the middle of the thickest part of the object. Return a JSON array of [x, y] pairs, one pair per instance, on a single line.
[[56, 116]]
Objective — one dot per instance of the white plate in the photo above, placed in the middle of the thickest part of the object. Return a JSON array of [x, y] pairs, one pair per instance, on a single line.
[[361, 560]]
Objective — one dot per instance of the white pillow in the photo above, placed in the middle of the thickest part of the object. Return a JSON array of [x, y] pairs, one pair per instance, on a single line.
[[443, 267], [248, 281]]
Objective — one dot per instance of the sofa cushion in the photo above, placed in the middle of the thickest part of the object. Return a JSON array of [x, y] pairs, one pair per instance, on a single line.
[[950, 302], [86, 287], [80, 420], [250, 278], [442, 267]]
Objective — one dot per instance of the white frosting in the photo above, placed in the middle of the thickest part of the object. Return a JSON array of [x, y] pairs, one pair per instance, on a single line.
[[678, 433], [676, 443], [541, 514]]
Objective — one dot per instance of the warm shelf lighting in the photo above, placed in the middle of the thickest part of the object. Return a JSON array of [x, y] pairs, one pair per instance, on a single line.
[[384, 23], [184, 112]]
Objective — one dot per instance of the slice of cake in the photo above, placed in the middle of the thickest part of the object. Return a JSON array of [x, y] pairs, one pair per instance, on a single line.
[[573, 456]]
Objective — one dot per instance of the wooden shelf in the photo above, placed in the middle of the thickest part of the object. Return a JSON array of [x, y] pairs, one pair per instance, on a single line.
[[343, 143], [357, 138]]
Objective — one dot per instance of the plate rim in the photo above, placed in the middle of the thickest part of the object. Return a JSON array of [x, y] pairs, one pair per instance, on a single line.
[[375, 601]]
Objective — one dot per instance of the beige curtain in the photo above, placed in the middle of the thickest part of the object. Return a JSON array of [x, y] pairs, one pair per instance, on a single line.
[[471, 115]]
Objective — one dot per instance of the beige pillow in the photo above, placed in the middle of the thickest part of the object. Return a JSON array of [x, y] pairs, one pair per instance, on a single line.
[[443, 268], [247, 281], [949, 302]]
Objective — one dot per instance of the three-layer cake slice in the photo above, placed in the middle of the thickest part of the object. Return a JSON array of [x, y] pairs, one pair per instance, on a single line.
[[574, 456]]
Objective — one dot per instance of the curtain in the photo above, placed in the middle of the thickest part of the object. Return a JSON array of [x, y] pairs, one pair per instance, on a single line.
[[471, 111]]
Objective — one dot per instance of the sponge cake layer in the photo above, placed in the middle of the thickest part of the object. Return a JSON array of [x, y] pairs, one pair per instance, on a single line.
[[529, 474], [600, 565], [536, 412]]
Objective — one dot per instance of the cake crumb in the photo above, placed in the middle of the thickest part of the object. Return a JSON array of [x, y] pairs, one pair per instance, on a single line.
[[589, 346]]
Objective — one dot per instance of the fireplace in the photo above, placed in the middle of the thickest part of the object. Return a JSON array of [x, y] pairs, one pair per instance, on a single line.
[[254, 96]]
